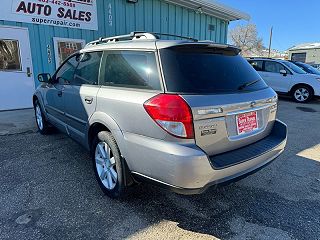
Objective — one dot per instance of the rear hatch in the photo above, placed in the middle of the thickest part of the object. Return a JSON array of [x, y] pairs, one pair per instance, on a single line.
[[231, 105]]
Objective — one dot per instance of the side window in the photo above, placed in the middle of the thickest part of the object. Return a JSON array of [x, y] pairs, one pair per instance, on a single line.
[[131, 69], [87, 71], [273, 67], [257, 65], [66, 72]]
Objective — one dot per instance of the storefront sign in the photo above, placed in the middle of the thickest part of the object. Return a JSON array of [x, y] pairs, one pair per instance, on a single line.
[[80, 14]]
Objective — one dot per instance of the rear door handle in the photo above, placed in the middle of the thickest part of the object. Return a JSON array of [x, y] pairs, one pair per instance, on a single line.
[[88, 100], [60, 93]]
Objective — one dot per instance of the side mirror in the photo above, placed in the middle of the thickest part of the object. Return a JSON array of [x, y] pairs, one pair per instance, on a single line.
[[44, 77], [283, 72]]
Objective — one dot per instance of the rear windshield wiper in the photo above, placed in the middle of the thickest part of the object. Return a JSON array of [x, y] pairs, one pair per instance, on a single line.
[[247, 84]]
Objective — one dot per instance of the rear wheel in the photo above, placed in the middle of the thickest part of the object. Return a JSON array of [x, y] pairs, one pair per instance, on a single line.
[[302, 94], [109, 167], [42, 123]]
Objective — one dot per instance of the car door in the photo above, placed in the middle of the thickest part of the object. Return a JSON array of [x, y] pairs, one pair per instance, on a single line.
[[274, 78], [54, 99], [80, 95]]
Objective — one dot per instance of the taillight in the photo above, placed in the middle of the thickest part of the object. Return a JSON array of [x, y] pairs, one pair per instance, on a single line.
[[172, 113]]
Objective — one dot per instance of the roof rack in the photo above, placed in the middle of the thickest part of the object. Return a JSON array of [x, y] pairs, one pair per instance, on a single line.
[[173, 35], [136, 36]]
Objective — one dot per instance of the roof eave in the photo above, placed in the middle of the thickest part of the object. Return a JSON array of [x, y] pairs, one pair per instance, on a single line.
[[212, 8], [303, 49]]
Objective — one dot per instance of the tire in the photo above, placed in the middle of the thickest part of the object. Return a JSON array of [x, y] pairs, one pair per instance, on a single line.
[[42, 123], [302, 94], [110, 168]]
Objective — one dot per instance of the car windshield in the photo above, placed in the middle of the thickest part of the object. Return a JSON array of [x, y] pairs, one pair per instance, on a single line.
[[294, 67], [309, 68], [206, 70]]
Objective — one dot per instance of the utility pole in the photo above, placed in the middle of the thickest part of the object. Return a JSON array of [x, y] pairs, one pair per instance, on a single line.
[[270, 41]]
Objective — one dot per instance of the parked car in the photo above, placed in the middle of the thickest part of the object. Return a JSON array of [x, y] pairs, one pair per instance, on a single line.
[[179, 113], [307, 68], [287, 78], [317, 66]]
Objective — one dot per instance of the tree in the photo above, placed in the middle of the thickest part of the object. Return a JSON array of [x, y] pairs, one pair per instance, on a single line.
[[246, 38]]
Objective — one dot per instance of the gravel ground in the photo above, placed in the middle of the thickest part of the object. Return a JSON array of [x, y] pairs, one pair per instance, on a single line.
[[48, 191]]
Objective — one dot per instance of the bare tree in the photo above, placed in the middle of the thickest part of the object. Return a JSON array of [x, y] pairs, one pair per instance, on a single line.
[[246, 38]]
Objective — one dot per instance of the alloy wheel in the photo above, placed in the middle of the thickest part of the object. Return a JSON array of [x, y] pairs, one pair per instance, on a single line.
[[106, 165], [39, 117], [301, 94]]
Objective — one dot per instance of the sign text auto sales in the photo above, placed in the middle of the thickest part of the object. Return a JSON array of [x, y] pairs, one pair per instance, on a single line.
[[46, 10], [65, 13]]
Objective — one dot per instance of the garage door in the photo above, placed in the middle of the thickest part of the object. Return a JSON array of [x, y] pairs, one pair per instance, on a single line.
[[299, 57], [16, 78]]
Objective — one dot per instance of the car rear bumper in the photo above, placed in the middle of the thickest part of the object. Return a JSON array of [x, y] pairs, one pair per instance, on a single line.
[[186, 169]]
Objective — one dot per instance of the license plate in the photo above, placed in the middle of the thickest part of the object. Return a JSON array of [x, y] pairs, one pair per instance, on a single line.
[[246, 122]]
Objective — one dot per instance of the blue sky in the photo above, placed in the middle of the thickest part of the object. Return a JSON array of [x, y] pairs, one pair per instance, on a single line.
[[293, 22]]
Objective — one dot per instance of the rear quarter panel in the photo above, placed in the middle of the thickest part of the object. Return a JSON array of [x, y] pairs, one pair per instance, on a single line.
[[124, 107]]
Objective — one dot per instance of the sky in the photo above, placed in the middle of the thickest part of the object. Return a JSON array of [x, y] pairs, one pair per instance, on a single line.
[[293, 22]]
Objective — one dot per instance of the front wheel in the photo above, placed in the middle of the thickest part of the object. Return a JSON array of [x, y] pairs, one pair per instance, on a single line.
[[302, 94], [109, 167]]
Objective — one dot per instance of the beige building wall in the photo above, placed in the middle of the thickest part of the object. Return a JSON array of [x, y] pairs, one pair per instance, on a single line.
[[312, 55]]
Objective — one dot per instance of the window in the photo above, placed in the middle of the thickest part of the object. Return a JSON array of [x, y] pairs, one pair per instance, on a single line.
[[64, 47], [131, 69], [66, 72], [87, 71], [211, 27], [9, 55], [274, 67], [201, 70], [307, 68], [257, 65], [294, 67]]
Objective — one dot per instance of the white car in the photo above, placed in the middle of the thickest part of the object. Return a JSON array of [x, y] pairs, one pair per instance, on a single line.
[[287, 78]]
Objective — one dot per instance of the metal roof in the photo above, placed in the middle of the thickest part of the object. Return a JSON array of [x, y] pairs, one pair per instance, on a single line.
[[212, 8], [304, 46]]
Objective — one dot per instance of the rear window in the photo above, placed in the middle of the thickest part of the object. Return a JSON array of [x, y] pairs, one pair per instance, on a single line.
[[207, 71]]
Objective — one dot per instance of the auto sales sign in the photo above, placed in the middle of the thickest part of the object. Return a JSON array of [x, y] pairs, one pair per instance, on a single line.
[[80, 14]]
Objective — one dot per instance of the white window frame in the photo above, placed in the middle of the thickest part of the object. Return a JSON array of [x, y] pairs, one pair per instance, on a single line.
[[56, 49]]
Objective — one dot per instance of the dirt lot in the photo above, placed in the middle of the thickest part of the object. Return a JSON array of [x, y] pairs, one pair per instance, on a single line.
[[48, 191]]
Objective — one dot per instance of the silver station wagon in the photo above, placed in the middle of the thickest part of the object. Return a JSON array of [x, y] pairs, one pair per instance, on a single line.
[[183, 114]]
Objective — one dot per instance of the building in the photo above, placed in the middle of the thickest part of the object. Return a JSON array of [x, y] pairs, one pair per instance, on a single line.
[[37, 35], [307, 53]]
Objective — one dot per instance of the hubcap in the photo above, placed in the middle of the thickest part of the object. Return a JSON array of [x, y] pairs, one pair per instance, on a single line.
[[39, 117], [106, 165], [301, 94]]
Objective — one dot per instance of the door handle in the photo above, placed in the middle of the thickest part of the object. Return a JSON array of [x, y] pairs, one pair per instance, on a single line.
[[60, 93], [29, 73], [88, 100]]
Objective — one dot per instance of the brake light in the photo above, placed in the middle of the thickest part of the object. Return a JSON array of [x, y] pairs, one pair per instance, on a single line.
[[172, 113]]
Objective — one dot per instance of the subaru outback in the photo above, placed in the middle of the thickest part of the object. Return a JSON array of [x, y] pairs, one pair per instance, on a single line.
[[183, 114]]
